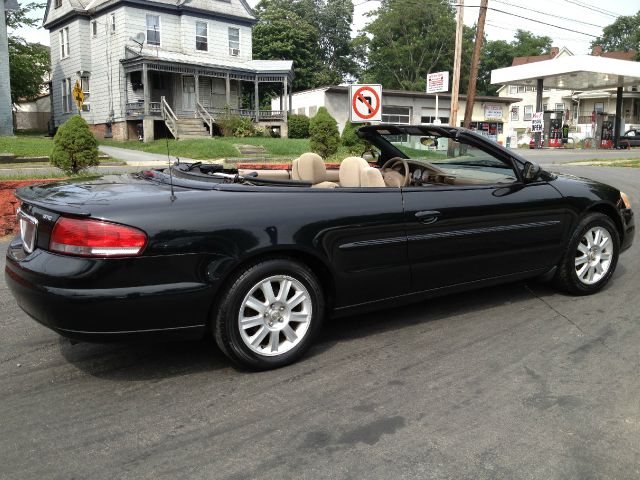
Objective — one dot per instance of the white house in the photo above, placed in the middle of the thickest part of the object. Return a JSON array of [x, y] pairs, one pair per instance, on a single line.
[[139, 61]]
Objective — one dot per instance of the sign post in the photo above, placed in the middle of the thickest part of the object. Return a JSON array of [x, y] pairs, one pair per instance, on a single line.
[[437, 83], [366, 103]]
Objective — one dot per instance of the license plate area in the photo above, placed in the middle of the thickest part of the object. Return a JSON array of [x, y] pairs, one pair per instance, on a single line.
[[28, 231]]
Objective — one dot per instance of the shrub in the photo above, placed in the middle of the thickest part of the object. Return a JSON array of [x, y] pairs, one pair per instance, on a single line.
[[323, 131], [298, 126], [351, 141], [244, 128], [75, 147]]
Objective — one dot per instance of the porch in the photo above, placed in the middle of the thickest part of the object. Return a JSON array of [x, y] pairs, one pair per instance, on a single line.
[[173, 92]]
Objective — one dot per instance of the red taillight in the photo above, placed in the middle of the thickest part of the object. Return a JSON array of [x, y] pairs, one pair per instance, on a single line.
[[93, 238]]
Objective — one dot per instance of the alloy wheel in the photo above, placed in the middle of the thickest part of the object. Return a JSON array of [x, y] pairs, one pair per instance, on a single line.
[[594, 256]]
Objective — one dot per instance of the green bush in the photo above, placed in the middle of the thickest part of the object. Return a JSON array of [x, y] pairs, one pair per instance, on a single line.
[[323, 131], [298, 126], [351, 141], [75, 147], [244, 128]]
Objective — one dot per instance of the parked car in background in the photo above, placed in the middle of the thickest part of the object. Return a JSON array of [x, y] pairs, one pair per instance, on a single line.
[[259, 259], [630, 139]]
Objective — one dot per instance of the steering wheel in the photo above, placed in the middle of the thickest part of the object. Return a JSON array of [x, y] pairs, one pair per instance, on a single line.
[[389, 164]]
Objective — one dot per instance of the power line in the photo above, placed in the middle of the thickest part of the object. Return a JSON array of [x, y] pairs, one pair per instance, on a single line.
[[594, 8], [545, 13]]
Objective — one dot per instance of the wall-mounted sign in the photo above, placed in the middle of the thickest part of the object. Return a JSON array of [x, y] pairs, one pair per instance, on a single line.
[[438, 82], [492, 111]]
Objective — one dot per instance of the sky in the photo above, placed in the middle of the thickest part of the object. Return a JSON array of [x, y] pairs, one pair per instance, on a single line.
[[501, 26]]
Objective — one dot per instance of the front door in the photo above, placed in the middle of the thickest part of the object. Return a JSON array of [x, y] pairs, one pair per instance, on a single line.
[[485, 225], [188, 93]]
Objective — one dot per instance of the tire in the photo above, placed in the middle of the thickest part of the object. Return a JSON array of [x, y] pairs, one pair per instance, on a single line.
[[278, 323], [591, 256]]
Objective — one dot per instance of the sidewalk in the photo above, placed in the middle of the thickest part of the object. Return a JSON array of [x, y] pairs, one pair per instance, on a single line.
[[136, 158]]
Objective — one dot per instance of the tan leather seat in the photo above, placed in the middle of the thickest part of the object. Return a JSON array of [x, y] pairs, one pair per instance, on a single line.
[[311, 168], [351, 171], [371, 177], [295, 174]]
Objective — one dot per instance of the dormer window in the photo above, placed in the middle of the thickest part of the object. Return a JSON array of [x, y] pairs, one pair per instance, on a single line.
[[153, 29], [202, 36], [234, 41], [58, 3]]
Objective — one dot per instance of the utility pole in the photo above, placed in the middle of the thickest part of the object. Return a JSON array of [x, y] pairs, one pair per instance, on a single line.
[[6, 118], [475, 60], [456, 65]]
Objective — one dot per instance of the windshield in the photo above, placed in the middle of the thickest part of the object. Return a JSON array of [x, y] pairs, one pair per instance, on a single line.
[[453, 157]]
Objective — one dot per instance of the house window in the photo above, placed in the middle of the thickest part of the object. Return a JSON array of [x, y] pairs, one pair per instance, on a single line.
[[528, 112], [544, 107], [400, 115], [234, 41], [94, 28], [313, 111], [598, 107], [560, 106], [84, 82], [515, 114], [66, 95], [427, 120], [513, 89], [202, 36], [153, 29], [64, 42], [112, 22], [521, 88], [58, 3]]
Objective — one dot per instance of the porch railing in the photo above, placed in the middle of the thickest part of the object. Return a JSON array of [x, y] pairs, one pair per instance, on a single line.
[[136, 109], [170, 118], [206, 117], [260, 115]]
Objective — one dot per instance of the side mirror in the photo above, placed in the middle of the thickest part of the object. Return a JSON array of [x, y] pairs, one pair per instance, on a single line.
[[531, 172]]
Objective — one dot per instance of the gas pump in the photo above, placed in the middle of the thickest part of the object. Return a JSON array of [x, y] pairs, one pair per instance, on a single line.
[[604, 130], [553, 120]]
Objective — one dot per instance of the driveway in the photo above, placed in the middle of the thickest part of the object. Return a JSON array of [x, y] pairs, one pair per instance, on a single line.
[[516, 381]]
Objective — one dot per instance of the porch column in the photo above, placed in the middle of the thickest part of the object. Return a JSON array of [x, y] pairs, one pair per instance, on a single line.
[[290, 98], [257, 100], [147, 88], [619, 123], [227, 80], [539, 89], [285, 95], [282, 98], [197, 79]]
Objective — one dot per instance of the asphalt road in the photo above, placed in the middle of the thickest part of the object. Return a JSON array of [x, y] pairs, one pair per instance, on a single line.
[[516, 381]]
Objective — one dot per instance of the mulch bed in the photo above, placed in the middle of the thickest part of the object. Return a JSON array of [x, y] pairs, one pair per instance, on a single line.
[[9, 203]]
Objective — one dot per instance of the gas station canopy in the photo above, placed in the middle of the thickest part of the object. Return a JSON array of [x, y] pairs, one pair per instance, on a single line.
[[578, 72]]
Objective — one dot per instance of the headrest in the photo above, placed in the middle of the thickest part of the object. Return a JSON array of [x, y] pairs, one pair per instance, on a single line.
[[371, 177], [350, 170], [311, 168]]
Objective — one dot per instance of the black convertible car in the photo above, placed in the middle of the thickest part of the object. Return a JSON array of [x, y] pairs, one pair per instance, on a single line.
[[259, 258]]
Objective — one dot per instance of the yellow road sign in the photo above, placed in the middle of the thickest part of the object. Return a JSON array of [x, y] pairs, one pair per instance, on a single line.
[[78, 95]]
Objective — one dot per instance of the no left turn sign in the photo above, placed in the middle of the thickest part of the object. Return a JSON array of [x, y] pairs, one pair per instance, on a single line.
[[366, 103]]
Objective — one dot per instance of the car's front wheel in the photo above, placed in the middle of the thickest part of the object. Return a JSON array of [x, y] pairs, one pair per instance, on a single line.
[[269, 314], [591, 257]]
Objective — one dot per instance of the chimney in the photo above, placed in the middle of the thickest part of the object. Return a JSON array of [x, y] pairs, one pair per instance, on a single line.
[[554, 52], [597, 50]]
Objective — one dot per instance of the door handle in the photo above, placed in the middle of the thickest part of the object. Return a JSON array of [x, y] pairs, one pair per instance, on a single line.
[[428, 216]]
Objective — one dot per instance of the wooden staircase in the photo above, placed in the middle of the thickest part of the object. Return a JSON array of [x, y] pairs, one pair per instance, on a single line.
[[191, 128]]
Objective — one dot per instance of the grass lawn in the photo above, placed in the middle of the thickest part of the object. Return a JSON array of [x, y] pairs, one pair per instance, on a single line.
[[609, 162], [217, 147], [27, 145]]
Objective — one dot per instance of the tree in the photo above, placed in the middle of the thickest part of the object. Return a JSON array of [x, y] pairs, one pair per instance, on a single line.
[[75, 147], [409, 40], [282, 34], [315, 34], [324, 134], [351, 141], [298, 126], [623, 34], [499, 54], [29, 63]]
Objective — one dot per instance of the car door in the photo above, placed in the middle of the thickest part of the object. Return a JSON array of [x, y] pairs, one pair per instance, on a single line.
[[493, 226]]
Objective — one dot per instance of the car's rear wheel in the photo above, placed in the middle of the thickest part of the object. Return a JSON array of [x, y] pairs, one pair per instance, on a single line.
[[269, 314], [591, 257]]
